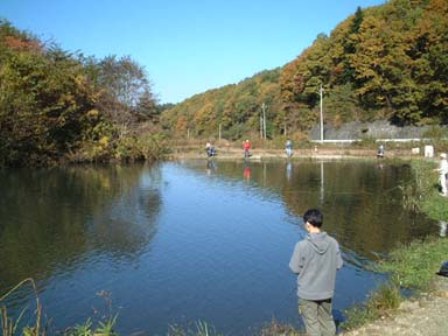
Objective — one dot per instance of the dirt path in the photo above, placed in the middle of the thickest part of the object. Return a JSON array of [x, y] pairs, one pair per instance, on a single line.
[[331, 153], [425, 316], [233, 153]]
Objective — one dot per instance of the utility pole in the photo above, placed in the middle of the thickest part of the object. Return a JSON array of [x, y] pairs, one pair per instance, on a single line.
[[263, 107], [321, 115]]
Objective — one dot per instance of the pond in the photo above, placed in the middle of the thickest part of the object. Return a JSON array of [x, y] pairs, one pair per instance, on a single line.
[[180, 242]]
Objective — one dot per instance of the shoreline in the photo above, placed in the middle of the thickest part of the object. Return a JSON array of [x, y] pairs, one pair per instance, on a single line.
[[423, 315], [261, 154]]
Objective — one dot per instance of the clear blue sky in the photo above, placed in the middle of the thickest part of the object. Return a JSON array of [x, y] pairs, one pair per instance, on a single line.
[[186, 46]]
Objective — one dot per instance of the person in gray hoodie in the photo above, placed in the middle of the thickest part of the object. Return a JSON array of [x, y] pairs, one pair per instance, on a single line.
[[316, 259]]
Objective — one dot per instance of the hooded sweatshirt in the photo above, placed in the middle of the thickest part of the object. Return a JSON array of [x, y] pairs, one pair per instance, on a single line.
[[316, 260]]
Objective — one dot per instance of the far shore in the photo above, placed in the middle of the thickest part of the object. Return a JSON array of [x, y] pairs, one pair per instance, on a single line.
[[266, 154]]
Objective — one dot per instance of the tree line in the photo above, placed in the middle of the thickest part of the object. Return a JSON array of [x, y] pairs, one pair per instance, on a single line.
[[386, 62], [61, 106]]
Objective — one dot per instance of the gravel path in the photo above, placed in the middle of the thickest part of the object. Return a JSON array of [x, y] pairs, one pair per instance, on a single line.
[[425, 316]]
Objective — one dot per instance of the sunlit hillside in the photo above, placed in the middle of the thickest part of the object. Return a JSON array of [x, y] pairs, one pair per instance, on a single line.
[[386, 62]]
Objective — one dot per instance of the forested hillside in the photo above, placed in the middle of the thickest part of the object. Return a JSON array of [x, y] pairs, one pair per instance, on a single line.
[[235, 109], [60, 106], [385, 62]]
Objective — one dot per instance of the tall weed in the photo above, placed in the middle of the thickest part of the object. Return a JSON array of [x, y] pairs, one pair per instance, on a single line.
[[10, 325]]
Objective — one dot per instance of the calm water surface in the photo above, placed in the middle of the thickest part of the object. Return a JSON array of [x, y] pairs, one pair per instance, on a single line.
[[175, 243]]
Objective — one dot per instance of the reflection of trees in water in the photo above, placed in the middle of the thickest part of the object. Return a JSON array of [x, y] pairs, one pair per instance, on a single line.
[[125, 226], [362, 204], [46, 216]]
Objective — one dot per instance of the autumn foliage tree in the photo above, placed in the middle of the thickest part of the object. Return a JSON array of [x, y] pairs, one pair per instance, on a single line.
[[234, 109], [45, 101], [55, 105], [385, 62]]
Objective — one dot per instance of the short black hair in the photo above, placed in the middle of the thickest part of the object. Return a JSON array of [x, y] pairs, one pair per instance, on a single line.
[[314, 217]]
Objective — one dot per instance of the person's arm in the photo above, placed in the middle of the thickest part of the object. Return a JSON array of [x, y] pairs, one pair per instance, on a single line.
[[296, 262], [439, 168]]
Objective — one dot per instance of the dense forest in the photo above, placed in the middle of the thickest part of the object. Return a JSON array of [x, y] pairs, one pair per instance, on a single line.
[[234, 108], [387, 62], [60, 106]]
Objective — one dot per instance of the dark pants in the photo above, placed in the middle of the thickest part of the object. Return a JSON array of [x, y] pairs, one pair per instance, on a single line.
[[317, 317]]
